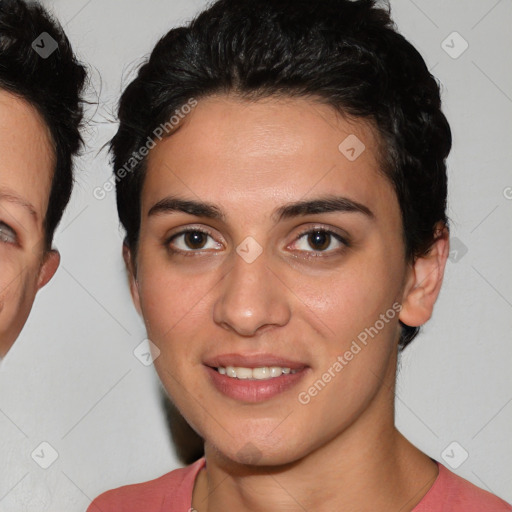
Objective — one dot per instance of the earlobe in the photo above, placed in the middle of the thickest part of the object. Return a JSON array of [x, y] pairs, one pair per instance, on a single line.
[[424, 281], [48, 267], [132, 279]]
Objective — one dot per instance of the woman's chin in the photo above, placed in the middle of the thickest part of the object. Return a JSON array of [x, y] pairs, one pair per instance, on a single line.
[[258, 452]]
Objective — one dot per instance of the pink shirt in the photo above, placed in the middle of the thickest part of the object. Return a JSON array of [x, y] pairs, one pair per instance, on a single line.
[[173, 493]]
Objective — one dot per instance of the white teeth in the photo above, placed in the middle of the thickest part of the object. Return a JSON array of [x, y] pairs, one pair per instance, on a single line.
[[243, 373], [262, 373], [275, 371]]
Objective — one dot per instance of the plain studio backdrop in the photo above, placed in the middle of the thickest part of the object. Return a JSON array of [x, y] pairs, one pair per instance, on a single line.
[[72, 380]]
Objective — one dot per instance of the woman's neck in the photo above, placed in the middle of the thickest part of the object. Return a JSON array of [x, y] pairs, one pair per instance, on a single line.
[[365, 468]]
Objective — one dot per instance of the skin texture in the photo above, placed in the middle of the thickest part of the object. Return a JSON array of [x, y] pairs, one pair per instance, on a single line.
[[249, 158], [26, 170]]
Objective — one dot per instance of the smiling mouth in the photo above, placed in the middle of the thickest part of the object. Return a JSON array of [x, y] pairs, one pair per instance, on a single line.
[[254, 383], [261, 373]]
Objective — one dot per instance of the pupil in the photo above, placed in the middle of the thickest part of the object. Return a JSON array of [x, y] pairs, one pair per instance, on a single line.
[[319, 240], [195, 239]]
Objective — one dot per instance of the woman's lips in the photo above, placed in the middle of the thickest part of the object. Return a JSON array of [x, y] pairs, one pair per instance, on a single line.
[[252, 361], [255, 390]]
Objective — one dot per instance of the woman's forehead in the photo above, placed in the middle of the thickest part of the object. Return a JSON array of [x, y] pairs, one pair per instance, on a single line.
[[280, 147]]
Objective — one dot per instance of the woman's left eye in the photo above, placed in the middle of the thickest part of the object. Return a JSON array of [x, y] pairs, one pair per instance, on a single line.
[[7, 234], [320, 240]]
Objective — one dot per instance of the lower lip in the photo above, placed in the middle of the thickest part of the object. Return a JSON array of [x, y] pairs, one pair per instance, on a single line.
[[254, 390]]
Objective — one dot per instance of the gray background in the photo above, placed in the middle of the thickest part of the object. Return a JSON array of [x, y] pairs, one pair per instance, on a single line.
[[72, 380]]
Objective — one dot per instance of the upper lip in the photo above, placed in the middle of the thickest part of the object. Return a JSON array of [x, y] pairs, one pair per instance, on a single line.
[[252, 361]]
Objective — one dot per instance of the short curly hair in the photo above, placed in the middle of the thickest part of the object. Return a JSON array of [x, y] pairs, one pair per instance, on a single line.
[[52, 85], [345, 53]]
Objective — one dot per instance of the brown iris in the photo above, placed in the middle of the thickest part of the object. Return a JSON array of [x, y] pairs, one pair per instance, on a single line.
[[319, 240]]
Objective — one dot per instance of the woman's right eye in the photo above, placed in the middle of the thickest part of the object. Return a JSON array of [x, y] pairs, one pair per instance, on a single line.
[[192, 240], [7, 234]]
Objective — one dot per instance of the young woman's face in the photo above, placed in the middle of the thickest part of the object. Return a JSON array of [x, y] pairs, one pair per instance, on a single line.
[[26, 169], [234, 275]]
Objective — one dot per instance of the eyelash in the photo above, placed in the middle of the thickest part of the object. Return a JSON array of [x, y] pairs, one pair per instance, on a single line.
[[10, 233], [320, 254], [309, 254]]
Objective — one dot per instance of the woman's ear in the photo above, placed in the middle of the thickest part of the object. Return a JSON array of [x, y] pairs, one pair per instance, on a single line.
[[49, 266], [424, 280], [132, 277]]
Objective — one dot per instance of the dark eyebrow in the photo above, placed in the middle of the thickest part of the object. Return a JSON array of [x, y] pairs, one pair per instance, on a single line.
[[14, 198], [326, 204], [197, 208]]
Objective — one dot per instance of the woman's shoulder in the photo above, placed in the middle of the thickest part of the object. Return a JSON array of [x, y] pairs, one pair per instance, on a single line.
[[170, 492], [453, 493]]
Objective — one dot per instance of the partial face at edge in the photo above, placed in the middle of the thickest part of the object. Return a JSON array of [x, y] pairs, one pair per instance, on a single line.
[[26, 170], [305, 298]]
